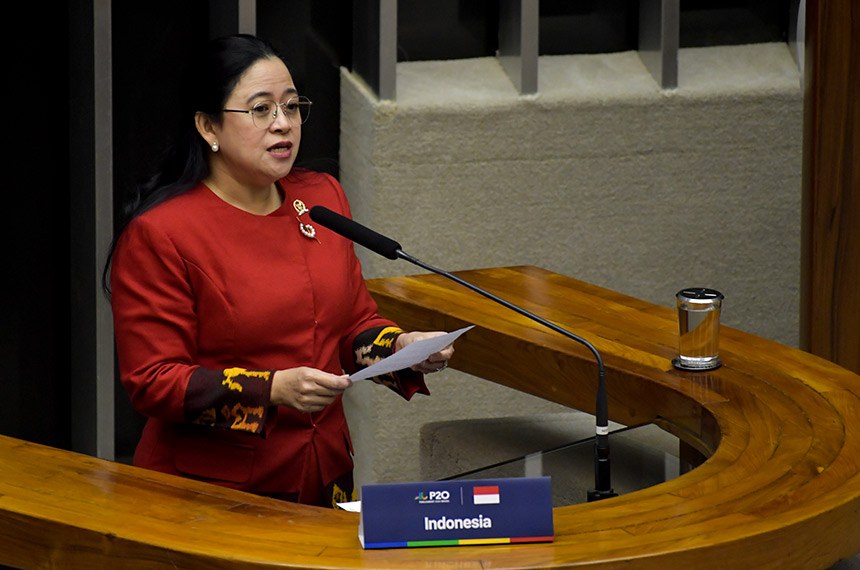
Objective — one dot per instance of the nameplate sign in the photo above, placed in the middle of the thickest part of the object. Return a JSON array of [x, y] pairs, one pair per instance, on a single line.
[[454, 513]]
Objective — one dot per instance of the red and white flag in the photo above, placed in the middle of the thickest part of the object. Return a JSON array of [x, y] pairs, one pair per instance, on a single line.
[[486, 495]]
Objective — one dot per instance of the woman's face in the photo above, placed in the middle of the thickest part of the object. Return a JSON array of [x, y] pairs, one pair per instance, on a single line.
[[257, 151]]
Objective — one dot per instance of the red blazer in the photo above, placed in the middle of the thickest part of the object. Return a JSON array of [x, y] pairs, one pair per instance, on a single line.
[[208, 301]]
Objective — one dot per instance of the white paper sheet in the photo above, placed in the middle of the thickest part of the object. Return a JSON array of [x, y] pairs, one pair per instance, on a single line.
[[351, 506], [410, 355]]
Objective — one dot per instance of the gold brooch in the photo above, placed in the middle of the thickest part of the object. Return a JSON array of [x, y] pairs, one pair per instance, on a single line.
[[307, 230]]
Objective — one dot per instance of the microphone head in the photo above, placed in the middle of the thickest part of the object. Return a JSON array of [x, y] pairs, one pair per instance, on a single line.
[[353, 231]]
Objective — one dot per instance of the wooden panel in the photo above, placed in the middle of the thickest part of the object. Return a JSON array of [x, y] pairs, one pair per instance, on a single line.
[[780, 483], [830, 297]]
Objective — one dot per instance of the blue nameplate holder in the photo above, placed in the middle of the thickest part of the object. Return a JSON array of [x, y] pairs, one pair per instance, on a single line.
[[453, 513]]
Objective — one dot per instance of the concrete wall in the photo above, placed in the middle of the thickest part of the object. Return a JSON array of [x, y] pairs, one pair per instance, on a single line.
[[601, 175]]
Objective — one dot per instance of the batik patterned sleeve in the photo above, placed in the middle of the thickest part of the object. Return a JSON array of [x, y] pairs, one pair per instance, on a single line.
[[377, 343], [233, 398], [155, 327]]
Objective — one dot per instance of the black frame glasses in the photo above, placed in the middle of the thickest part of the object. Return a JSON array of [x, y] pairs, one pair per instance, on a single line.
[[296, 109]]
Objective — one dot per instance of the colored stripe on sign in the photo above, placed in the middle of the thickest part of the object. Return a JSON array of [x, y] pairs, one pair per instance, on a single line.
[[459, 542], [486, 495]]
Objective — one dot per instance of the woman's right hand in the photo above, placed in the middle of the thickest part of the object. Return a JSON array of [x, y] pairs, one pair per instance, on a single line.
[[307, 389]]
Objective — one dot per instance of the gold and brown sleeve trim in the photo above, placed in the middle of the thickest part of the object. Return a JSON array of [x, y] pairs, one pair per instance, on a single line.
[[232, 398], [377, 343]]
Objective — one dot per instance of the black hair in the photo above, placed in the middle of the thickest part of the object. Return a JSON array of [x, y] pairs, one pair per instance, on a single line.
[[208, 83]]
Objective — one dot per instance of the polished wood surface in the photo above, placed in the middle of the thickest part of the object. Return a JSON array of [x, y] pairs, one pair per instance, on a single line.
[[780, 487], [830, 264]]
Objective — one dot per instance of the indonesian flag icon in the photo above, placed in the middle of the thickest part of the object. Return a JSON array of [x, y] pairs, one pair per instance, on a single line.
[[486, 495]]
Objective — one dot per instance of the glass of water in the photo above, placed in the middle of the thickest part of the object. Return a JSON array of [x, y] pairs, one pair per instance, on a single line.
[[699, 328]]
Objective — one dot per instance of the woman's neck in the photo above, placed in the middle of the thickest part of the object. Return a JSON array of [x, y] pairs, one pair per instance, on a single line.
[[259, 201]]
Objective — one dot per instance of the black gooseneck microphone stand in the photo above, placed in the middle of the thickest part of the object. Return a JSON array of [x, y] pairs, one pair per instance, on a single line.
[[390, 249]]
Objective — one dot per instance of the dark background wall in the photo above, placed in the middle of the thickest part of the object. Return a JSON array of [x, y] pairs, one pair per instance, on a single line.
[[49, 154], [34, 341]]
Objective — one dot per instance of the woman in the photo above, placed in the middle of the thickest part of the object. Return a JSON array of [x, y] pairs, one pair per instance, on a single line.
[[235, 317]]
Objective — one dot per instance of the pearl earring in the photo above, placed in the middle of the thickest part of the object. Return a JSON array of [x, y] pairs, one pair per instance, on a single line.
[[215, 146]]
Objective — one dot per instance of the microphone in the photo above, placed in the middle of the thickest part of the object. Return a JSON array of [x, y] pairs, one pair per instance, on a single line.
[[356, 232], [389, 248]]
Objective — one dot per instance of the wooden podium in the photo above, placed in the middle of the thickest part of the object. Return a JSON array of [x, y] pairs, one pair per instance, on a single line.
[[775, 428]]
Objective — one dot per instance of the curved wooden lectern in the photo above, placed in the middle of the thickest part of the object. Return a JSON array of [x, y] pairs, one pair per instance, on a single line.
[[779, 486]]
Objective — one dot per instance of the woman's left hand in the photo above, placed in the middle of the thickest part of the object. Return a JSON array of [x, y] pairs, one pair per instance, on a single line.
[[436, 361]]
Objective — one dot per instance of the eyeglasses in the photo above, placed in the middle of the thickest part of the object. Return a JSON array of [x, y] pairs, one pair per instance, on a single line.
[[264, 113]]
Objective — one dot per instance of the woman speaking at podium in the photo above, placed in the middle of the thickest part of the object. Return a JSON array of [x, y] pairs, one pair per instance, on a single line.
[[236, 320]]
